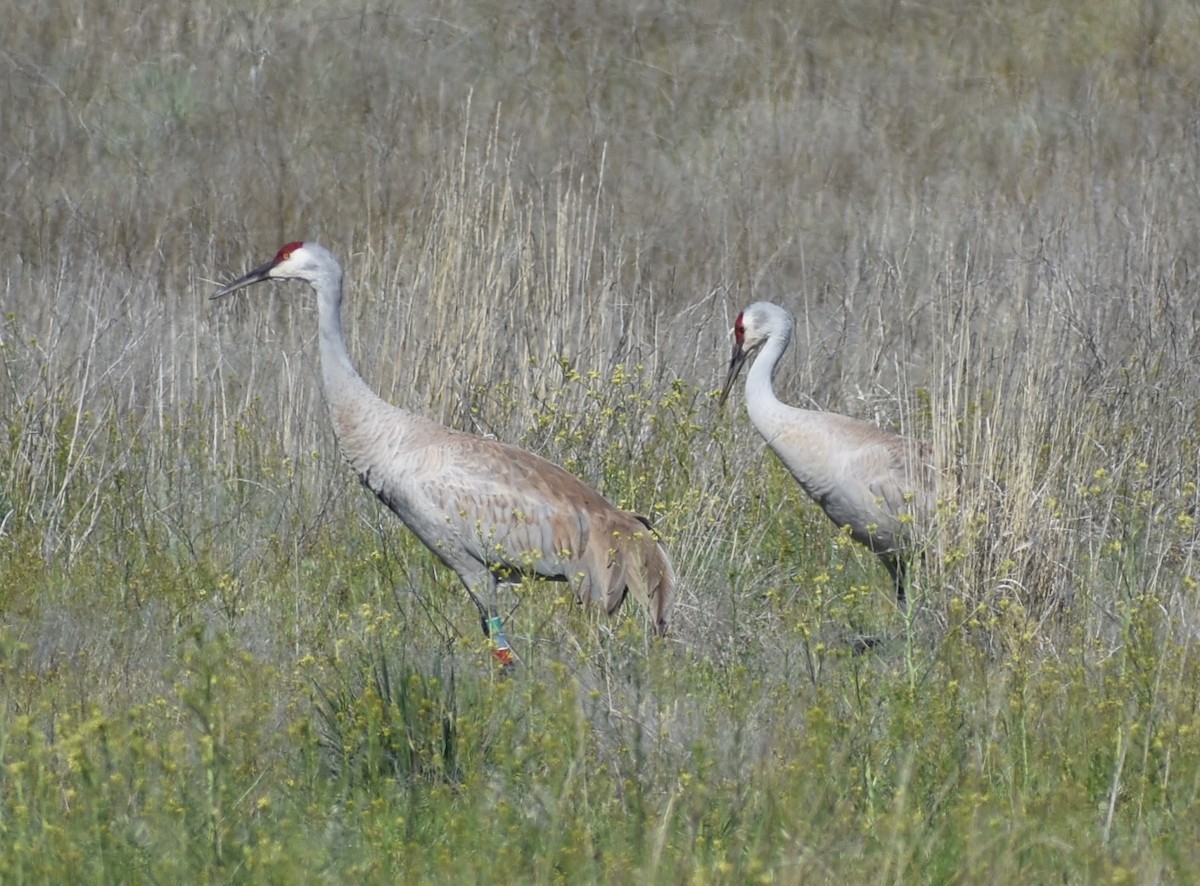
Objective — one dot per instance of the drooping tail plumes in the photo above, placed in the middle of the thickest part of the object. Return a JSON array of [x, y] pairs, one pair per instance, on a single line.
[[657, 588], [637, 564]]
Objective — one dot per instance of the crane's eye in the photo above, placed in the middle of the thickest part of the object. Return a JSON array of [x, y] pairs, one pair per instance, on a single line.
[[286, 252], [739, 328]]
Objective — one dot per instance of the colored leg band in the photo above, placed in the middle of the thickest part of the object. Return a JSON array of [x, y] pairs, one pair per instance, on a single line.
[[496, 632]]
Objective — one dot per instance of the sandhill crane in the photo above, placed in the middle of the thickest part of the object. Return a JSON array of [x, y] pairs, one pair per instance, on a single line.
[[873, 481], [488, 510]]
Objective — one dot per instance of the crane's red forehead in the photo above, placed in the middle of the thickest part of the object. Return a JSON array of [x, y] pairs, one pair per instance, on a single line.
[[739, 326], [286, 252]]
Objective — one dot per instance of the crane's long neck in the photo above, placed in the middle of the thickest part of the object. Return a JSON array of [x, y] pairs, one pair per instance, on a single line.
[[362, 420], [792, 433], [373, 435], [340, 378], [761, 402]]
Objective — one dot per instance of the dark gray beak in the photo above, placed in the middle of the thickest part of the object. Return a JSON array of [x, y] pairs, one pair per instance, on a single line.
[[735, 366], [256, 276]]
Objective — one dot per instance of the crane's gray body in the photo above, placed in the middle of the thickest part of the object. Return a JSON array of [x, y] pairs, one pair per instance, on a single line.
[[488, 510], [880, 485]]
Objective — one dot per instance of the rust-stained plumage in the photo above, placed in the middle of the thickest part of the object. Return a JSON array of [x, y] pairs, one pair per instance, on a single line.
[[490, 511], [879, 484]]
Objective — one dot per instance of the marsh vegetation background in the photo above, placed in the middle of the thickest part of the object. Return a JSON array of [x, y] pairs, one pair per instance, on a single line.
[[221, 660]]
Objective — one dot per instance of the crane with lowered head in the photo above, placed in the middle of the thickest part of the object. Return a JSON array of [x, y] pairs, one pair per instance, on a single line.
[[881, 485], [490, 511]]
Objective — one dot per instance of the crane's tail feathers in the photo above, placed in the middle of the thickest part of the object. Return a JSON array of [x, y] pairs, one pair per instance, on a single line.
[[625, 558], [650, 577]]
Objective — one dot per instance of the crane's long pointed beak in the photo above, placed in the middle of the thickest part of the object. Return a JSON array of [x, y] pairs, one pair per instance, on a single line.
[[735, 366], [256, 276]]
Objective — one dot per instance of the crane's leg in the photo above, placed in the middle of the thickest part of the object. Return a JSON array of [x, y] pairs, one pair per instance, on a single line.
[[489, 618], [897, 568], [493, 628]]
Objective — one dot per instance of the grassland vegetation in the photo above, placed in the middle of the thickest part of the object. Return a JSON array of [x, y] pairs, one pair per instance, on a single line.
[[221, 660]]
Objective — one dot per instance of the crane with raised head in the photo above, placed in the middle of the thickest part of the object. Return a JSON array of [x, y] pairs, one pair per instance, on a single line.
[[490, 511], [880, 485]]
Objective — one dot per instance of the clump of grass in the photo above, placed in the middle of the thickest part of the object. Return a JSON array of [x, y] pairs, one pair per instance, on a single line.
[[391, 721]]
